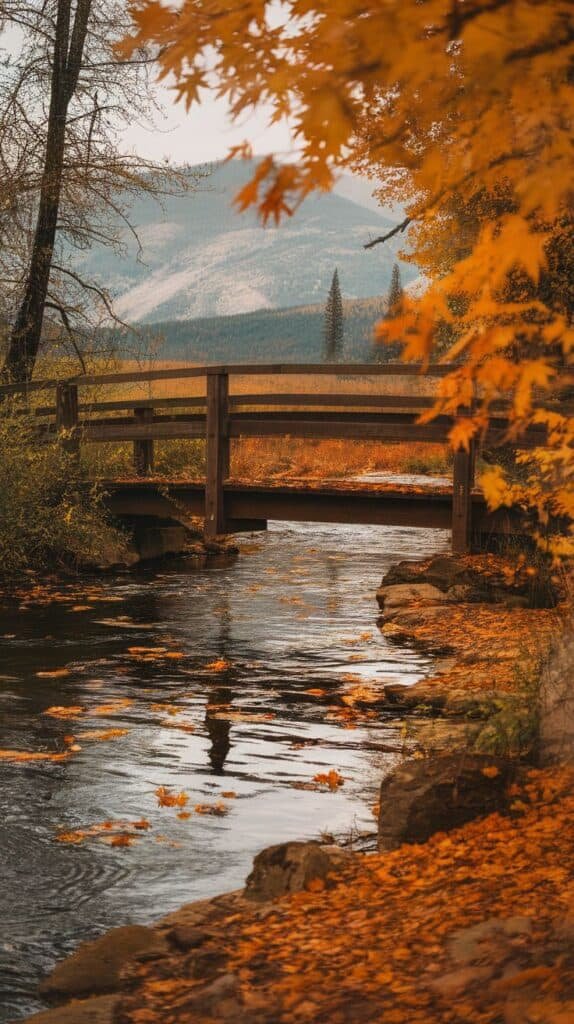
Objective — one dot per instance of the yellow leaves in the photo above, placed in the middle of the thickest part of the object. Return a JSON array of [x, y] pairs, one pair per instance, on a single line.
[[333, 780], [167, 799], [463, 432]]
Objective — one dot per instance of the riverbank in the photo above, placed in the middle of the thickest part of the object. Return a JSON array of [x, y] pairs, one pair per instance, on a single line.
[[471, 925]]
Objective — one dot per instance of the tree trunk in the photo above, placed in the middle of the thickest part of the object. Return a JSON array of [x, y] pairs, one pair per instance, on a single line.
[[67, 57]]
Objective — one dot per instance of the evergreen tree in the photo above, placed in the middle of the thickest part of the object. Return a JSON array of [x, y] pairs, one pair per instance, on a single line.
[[333, 333], [382, 353], [394, 298]]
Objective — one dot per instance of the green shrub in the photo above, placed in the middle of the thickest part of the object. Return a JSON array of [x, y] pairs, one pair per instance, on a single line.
[[50, 516]]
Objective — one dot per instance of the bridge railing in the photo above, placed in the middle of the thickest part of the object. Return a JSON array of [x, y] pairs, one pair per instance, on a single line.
[[218, 415]]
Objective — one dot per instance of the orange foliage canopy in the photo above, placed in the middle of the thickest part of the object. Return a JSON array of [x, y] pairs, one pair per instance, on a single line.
[[441, 101]]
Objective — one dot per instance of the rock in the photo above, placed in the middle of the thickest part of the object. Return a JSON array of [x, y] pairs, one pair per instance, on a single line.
[[185, 937], [438, 794], [467, 945], [421, 695], [480, 578], [99, 1010], [455, 982], [96, 966], [290, 867], [219, 1000], [402, 594]]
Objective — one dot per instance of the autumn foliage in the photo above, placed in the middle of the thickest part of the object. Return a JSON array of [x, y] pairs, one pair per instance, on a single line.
[[460, 111]]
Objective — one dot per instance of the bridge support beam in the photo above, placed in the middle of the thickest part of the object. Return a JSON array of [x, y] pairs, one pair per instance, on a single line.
[[143, 450], [217, 451], [462, 484], [67, 417]]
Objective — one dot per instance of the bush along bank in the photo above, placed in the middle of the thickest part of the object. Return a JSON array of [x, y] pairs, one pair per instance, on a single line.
[[466, 911]]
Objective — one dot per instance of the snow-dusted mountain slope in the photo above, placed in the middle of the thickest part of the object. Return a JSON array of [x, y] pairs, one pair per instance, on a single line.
[[202, 258]]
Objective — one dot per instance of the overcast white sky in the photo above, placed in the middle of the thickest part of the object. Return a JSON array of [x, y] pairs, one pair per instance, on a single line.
[[204, 134]]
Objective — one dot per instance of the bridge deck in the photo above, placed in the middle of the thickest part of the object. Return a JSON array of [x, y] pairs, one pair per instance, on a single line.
[[249, 505]]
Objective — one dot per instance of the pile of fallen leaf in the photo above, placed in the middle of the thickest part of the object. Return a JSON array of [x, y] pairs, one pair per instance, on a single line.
[[476, 925]]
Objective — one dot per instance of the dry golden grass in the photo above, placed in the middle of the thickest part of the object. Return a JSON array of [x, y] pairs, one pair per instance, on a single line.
[[255, 458]]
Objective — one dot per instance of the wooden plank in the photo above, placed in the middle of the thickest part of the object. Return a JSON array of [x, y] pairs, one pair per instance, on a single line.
[[143, 448], [242, 369], [217, 435], [349, 400], [132, 431], [327, 428]]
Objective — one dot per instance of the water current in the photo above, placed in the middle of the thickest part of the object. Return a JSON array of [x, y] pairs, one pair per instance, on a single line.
[[229, 713]]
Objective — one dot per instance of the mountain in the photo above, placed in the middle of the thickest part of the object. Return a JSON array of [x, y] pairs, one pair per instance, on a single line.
[[279, 335], [202, 258]]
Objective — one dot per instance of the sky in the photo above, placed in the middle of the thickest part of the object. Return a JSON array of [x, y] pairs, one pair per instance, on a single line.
[[204, 134]]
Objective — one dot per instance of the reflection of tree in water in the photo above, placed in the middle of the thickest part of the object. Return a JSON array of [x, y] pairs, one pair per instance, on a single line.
[[334, 595], [218, 729], [220, 698]]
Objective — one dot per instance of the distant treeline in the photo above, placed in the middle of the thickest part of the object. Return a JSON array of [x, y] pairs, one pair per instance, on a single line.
[[285, 335]]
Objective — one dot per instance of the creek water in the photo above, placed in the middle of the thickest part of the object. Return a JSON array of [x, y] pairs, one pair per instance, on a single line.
[[230, 712]]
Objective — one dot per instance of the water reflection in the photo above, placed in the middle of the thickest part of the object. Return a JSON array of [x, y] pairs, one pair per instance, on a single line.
[[290, 628]]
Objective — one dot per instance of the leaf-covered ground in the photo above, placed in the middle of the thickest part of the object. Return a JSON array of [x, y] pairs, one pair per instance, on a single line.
[[390, 942]]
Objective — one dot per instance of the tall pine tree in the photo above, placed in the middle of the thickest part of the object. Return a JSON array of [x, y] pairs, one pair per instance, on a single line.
[[383, 353], [333, 333], [395, 296]]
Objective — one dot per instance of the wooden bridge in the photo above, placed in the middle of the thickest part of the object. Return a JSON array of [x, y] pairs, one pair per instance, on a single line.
[[219, 413]]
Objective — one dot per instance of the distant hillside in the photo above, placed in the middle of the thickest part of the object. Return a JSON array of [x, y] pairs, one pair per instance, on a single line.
[[285, 335], [201, 258]]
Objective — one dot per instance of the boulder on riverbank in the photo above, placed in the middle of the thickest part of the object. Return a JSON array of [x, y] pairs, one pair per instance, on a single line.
[[291, 867], [468, 578], [438, 794]]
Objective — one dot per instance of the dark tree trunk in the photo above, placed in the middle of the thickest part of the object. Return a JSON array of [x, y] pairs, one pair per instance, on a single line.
[[67, 57]]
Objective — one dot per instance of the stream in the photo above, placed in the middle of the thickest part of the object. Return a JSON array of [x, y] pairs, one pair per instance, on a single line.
[[212, 699]]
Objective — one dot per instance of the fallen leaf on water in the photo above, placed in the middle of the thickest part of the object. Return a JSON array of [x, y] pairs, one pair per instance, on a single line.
[[56, 673], [81, 608], [69, 711], [229, 794], [120, 840], [103, 734], [174, 655], [147, 650], [316, 692], [169, 709], [109, 830], [219, 809], [360, 695], [31, 755], [112, 707], [240, 716], [219, 665], [331, 779], [167, 799], [183, 815]]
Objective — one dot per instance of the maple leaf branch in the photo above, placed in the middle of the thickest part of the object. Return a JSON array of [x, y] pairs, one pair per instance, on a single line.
[[398, 229]]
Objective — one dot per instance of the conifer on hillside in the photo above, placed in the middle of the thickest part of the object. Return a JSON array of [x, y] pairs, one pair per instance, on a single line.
[[382, 353], [333, 331]]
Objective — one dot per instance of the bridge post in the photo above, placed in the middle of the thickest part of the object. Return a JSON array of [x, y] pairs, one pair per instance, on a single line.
[[67, 417], [462, 483], [217, 431], [143, 450]]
